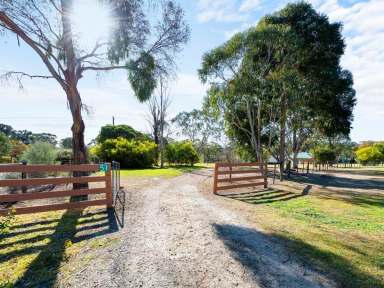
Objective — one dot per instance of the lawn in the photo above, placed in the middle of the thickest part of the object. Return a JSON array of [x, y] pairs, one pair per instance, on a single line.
[[340, 233], [168, 171], [364, 170], [34, 250]]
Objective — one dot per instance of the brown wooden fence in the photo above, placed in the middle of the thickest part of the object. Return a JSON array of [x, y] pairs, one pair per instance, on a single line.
[[15, 168], [246, 175]]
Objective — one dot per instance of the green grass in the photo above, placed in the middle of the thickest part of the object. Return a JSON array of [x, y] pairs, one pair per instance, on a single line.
[[363, 170], [37, 247], [342, 236], [168, 171]]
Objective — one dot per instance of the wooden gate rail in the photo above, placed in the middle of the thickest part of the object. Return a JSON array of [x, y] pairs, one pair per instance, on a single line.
[[107, 190], [261, 174]]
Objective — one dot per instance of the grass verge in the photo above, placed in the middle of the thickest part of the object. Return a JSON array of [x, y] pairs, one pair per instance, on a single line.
[[341, 235], [38, 247]]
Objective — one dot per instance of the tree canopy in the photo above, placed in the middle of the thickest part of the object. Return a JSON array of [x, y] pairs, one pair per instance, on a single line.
[[144, 47], [116, 131], [280, 81]]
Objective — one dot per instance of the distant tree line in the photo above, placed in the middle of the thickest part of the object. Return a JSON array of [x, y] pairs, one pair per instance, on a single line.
[[35, 148], [370, 153], [27, 137]]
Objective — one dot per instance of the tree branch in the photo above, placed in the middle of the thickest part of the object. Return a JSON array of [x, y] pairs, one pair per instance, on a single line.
[[105, 68], [16, 29], [20, 75]]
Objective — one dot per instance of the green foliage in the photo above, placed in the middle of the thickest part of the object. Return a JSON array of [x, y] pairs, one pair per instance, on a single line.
[[64, 156], [370, 154], [6, 222], [27, 137], [130, 153], [123, 131], [66, 143], [5, 145], [40, 153], [279, 74], [141, 75], [181, 152], [324, 154], [17, 149]]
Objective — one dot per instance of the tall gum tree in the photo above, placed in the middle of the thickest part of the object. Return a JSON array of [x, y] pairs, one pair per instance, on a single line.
[[289, 62], [145, 49]]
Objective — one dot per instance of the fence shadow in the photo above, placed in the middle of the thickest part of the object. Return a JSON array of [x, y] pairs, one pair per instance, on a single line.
[[72, 227], [266, 257], [265, 196]]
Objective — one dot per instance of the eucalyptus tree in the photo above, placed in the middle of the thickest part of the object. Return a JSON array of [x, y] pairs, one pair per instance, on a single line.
[[272, 77], [158, 107], [144, 48], [199, 127], [244, 77]]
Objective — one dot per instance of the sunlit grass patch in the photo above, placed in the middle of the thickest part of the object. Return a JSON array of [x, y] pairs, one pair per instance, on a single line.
[[37, 246], [342, 236]]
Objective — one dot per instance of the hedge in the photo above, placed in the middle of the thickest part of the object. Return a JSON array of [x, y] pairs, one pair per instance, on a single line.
[[130, 153], [181, 153]]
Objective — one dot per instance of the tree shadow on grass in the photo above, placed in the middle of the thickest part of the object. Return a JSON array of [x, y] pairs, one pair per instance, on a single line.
[[72, 227], [266, 257], [359, 171], [338, 181]]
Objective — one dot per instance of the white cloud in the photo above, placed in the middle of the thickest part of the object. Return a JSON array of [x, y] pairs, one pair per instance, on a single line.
[[249, 5], [219, 11], [364, 57]]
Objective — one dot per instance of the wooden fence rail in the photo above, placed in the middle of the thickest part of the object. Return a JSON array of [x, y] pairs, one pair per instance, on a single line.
[[15, 168], [240, 169]]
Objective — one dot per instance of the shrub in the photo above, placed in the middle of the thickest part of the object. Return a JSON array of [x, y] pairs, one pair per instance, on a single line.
[[5, 146], [123, 131], [17, 149], [64, 156], [130, 153], [370, 154], [93, 153], [40, 153], [181, 153], [325, 154]]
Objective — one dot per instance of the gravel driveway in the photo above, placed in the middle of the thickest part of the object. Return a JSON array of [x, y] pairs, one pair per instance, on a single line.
[[174, 236]]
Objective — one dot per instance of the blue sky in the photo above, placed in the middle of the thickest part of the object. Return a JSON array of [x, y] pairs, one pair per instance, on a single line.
[[41, 105]]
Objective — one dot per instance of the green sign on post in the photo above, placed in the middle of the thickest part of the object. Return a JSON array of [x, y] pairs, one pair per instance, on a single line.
[[103, 167]]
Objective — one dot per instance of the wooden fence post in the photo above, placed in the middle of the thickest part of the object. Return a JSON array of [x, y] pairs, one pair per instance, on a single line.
[[215, 175], [23, 176], [108, 186], [266, 175]]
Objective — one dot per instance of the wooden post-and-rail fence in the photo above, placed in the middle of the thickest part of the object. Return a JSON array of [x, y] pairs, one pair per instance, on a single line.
[[15, 168], [250, 173]]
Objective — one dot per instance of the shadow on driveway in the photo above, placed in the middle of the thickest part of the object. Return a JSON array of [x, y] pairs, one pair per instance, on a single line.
[[262, 255]]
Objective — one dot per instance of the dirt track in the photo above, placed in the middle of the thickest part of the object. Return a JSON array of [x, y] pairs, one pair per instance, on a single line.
[[174, 236]]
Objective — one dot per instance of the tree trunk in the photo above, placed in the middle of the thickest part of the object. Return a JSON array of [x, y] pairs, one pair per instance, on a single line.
[[295, 149], [78, 144], [283, 120], [162, 144]]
